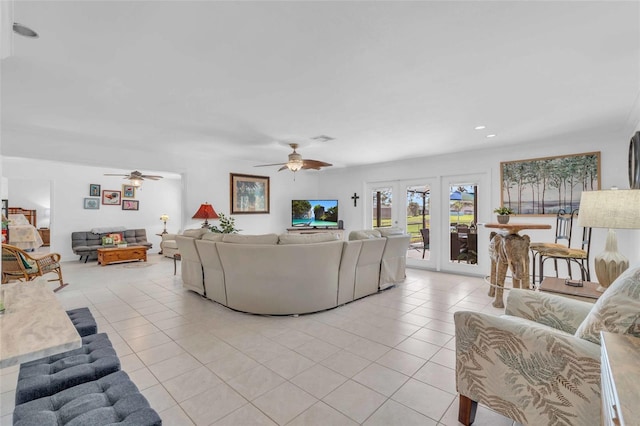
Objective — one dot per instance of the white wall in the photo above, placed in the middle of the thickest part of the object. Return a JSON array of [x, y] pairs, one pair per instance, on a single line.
[[31, 194]]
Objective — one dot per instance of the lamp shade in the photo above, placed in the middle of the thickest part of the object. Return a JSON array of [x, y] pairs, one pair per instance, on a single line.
[[611, 208], [206, 211]]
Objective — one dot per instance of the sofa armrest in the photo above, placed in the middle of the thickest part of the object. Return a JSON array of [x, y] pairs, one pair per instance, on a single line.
[[168, 237], [559, 312], [528, 372]]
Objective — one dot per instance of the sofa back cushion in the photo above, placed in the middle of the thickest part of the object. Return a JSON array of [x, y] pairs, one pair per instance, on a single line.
[[320, 237], [617, 310], [364, 234], [212, 236], [385, 232], [271, 239], [195, 233], [136, 237]]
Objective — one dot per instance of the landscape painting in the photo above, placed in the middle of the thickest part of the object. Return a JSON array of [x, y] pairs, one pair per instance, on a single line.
[[542, 186]]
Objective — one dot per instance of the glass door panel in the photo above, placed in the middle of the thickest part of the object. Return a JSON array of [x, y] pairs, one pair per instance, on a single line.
[[418, 223], [463, 219], [382, 207]]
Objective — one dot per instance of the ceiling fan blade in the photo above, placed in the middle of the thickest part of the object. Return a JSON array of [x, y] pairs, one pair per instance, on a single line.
[[267, 165], [283, 168], [115, 174], [314, 164], [152, 177]]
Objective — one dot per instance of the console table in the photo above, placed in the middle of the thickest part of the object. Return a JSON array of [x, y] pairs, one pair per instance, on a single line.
[[307, 230], [510, 250], [34, 324], [620, 379]]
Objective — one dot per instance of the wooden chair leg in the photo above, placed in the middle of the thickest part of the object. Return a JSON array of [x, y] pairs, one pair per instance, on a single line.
[[467, 410]]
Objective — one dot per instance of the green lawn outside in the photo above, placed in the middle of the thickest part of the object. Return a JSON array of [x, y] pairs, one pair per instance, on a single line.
[[414, 224]]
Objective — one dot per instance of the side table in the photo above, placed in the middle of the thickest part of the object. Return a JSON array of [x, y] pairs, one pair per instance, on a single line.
[[587, 292]]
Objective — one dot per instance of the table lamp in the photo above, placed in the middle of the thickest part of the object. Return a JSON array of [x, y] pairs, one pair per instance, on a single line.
[[164, 218], [206, 212], [612, 209]]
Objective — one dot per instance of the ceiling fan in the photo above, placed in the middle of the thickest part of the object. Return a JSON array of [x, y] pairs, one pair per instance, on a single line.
[[296, 162], [135, 177]]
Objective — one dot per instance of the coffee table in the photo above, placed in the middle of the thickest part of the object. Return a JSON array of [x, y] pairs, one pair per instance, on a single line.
[[587, 293], [121, 254]]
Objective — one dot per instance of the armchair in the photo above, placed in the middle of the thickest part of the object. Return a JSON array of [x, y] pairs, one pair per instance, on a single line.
[[540, 362], [19, 265]]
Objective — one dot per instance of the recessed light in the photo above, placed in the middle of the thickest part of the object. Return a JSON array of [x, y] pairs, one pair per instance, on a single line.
[[23, 30], [479, 127], [492, 135]]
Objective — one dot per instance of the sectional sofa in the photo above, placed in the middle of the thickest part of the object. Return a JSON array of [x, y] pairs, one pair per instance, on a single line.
[[290, 273]]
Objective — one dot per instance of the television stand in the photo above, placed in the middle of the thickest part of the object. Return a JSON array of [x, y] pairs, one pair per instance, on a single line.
[[316, 230]]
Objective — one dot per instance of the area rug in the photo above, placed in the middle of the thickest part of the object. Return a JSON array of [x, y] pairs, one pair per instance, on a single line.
[[136, 265]]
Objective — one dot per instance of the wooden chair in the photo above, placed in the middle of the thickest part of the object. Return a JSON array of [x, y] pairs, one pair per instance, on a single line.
[[19, 265], [424, 232]]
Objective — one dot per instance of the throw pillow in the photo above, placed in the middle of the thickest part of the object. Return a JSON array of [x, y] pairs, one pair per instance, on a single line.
[[107, 241], [117, 238], [616, 310]]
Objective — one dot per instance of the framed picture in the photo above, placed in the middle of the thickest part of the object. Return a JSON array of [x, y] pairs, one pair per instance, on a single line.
[[94, 190], [111, 197], [249, 194], [128, 191], [542, 186], [130, 204], [92, 203]]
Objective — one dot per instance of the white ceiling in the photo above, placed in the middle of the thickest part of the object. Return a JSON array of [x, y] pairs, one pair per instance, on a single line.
[[387, 80]]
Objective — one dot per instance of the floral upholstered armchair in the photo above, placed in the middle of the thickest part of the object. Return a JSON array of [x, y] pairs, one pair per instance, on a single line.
[[539, 364]]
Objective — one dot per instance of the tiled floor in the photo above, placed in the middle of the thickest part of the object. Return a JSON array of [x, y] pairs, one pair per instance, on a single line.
[[387, 359]]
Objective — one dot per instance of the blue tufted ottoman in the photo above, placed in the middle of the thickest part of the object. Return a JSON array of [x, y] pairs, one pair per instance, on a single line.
[[83, 321], [46, 376], [111, 400]]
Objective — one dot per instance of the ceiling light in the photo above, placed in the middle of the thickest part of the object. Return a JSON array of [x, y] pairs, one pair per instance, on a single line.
[[479, 127], [24, 31], [492, 135]]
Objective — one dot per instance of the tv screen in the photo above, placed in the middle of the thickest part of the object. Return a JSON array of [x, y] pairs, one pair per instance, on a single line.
[[314, 213]]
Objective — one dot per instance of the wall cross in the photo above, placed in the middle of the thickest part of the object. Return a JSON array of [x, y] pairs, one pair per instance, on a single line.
[[355, 199]]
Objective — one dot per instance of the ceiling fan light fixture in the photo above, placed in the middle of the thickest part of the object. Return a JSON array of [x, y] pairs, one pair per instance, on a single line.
[[24, 31], [135, 182]]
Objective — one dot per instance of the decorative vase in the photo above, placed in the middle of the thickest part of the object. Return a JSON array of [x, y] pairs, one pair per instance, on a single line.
[[503, 219]]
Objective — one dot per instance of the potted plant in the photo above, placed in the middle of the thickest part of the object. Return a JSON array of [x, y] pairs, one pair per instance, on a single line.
[[503, 214], [227, 225]]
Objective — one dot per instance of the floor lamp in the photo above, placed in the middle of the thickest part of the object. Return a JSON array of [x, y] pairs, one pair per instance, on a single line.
[[612, 209]]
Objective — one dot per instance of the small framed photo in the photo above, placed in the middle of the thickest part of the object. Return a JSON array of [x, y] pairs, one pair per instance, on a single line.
[[128, 191], [111, 197], [92, 203], [249, 194], [94, 190], [130, 204]]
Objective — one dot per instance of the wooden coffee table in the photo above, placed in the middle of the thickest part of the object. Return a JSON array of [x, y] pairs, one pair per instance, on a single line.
[[587, 293], [121, 254]]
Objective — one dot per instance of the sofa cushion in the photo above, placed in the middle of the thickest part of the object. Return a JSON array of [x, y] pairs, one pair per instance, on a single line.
[[385, 232], [617, 310], [320, 237], [195, 233], [212, 236], [250, 239], [364, 234]]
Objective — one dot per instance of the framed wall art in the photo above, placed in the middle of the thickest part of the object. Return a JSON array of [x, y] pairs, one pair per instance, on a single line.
[[249, 194], [128, 191], [94, 190], [541, 186], [92, 203], [111, 197], [130, 204]]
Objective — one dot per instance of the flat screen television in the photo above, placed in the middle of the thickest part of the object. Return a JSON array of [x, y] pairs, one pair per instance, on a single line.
[[314, 213]]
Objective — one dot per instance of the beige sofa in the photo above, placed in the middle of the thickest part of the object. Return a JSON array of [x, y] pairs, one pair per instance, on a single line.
[[281, 275]]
